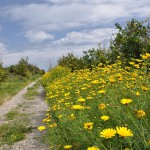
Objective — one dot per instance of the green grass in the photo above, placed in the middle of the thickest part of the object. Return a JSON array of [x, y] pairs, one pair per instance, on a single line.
[[12, 86], [11, 133], [32, 91], [15, 129], [11, 115]]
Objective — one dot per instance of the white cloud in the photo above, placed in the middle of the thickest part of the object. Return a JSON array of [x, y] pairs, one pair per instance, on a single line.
[[86, 37], [43, 57], [98, 2], [80, 25], [37, 37], [71, 14], [2, 48]]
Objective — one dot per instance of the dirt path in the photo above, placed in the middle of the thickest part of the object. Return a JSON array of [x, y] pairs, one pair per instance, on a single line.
[[35, 110]]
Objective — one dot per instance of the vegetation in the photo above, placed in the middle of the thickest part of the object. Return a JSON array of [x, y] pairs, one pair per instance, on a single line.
[[11, 115], [15, 129], [15, 77], [130, 42], [99, 101], [3, 73], [32, 91], [23, 68], [106, 108], [12, 85], [10, 134], [103, 102]]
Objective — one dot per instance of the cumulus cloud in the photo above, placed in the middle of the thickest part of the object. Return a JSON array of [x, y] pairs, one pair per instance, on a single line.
[[88, 37], [37, 37], [71, 14]]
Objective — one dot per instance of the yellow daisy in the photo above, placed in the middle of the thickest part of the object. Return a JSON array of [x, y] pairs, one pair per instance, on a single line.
[[41, 128], [88, 125], [93, 148], [126, 101], [108, 133], [105, 118], [67, 146], [140, 113], [102, 106], [123, 131]]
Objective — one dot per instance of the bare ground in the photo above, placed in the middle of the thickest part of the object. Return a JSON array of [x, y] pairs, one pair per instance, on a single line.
[[35, 110]]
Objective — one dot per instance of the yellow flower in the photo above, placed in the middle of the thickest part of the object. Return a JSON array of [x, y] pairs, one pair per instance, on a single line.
[[108, 133], [82, 100], [67, 146], [77, 107], [95, 82], [138, 60], [105, 118], [53, 125], [146, 56], [41, 128], [134, 74], [144, 88], [131, 63], [83, 88], [60, 116], [88, 125], [89, 97], [102, 92], [72, 117], [93, 148], [46, 120], [111, 79], [102, 106], [77, 91], [123, 131], [140, 113], [137, 93], [126, 101]]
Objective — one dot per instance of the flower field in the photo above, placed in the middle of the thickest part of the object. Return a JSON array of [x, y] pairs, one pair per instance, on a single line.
[[107, 108]]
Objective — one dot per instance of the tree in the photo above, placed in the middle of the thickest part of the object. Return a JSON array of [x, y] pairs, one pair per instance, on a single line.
[[3, 72], [70, 61], [93, 57], [131, 41], [22, 68]]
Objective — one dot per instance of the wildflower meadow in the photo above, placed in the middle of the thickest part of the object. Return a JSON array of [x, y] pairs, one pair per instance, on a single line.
[[106, 108]]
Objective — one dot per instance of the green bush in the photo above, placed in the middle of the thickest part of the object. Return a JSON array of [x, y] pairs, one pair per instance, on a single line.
[[3, 74], [131, 41]]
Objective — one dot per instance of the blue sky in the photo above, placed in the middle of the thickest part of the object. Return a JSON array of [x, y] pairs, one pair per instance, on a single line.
[[44, 30]]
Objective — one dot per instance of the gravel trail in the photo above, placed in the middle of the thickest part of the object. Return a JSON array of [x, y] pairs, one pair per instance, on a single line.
[[35, 109]]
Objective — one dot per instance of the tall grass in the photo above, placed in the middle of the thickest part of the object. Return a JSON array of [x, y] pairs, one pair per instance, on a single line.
[[107, 108]]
